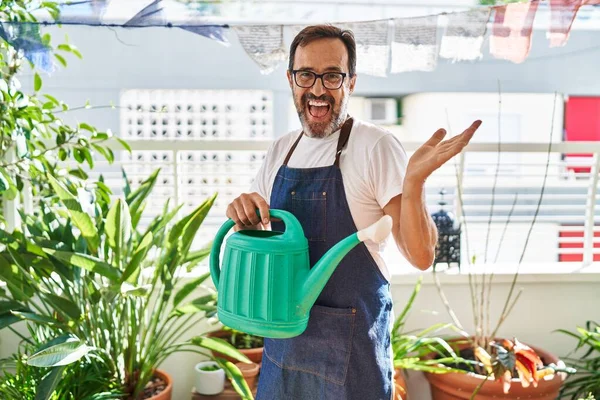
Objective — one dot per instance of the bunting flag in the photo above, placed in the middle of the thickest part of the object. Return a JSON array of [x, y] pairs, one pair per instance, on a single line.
[[511, 31], [151, 15], [414, 45], [562, 14], [264, 44], [372, 46], [464, 35], [27, 38]]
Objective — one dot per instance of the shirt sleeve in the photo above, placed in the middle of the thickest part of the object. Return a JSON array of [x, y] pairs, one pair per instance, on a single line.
[[387, 169]]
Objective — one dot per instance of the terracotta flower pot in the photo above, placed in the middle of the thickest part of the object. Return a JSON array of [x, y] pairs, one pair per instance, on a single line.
[[167, 392], [250, 373], [255, 354], [400, 392], [455, 386]]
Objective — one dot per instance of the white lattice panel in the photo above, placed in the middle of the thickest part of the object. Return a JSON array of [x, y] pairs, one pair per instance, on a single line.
[[203, 173], [196, 114]]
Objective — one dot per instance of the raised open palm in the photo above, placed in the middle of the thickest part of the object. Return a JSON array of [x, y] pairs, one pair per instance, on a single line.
[[435, 152]]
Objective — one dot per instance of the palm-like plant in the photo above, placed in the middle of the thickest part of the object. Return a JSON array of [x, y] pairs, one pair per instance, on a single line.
[[107, 287], [586, 382], [412, 350]]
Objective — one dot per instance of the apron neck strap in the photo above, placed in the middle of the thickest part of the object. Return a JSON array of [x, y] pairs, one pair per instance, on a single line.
[[342, 141]]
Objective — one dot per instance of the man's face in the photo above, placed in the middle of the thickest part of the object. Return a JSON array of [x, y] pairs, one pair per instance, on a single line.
[[322, 110]]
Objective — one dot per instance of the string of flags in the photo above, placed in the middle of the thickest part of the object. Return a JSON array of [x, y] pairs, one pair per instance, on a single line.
[[396, 45]]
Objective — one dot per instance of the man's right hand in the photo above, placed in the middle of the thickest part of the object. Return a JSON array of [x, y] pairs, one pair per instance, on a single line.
[[242, 210]]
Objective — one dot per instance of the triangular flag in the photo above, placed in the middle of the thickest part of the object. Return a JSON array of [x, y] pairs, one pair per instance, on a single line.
[[372, 46], [562, 15], [151, 15], [464, 35], [26, 37], [264, 44], [414, 46], [511, 32]]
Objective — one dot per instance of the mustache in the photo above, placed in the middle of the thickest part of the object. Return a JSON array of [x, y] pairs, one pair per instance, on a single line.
[[324, 97]]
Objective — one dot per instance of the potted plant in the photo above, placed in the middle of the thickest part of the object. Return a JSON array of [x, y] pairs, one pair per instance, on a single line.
[[250, 373], [249, 345], [411, 349], [209, 378], [109, 288], [496, 364], [585, 383]]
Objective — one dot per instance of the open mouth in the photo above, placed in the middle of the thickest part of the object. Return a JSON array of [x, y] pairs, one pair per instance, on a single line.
[[318, 109]]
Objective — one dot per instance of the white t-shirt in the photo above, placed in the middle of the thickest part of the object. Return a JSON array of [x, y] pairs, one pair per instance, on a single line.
[[373, 165]]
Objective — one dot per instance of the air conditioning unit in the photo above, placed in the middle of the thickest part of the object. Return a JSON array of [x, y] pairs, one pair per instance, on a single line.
[[381, 111]]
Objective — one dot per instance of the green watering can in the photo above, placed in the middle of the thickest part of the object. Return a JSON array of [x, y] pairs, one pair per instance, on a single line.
[[266, 286]]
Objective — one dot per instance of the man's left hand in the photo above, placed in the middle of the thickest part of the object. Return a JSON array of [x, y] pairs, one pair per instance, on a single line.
[[435, 152]]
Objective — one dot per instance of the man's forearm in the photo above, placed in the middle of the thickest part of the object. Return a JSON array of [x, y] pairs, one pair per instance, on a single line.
[[416, 227]]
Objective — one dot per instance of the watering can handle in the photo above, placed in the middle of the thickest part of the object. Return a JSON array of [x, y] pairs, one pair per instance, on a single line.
[[293, 229], [215, 266]]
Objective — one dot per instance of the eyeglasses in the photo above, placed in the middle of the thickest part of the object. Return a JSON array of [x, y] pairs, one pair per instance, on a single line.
[[330, 80]]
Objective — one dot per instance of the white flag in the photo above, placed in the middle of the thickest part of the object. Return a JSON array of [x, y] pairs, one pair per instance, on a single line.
[[414, 47], [264, 44], [464, 35]]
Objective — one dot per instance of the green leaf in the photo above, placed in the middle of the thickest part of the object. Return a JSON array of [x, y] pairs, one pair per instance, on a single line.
[[137, 198], [106, 153], [237, 379], [38, 319], [61, 59], [124, 144], [184, 232], [118, 228], [132, 272], [78, 173], [86, 262], [65, 305], [63, 352], [87, 127], [6, 306], [127, 188], [81, 220], [8, 319], [198, 255], [197, 305], [4, 183], [52, 99], [37, 82], [188, 288], [46, 387], [140, 291], [219, 346]]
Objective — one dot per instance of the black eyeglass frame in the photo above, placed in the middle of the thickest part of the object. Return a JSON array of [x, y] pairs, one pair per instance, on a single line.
[[319, 76]]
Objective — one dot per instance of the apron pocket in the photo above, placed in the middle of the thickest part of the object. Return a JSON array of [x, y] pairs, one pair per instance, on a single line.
[[310, 208], [323, 349]]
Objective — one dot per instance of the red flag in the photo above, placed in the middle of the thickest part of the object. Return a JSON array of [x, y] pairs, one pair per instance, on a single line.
[[511, 32]]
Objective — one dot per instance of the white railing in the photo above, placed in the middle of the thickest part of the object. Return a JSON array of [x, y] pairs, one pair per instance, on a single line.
[[565, 227]]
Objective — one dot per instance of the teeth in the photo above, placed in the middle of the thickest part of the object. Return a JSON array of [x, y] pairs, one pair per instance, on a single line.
[[317, 103]]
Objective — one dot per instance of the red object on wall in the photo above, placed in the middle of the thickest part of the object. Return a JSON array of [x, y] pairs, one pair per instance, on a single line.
[[582, 124], [577, 245]]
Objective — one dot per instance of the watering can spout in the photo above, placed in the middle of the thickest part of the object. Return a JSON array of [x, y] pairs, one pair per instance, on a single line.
[[323, 269]]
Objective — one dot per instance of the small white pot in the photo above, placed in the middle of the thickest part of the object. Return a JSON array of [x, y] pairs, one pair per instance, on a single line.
[[209, 382]]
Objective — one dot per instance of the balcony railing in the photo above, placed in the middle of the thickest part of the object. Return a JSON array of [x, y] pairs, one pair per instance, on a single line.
[[496, 192]]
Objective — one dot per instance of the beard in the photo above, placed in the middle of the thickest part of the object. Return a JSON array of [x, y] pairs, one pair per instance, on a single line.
[[322, 129]]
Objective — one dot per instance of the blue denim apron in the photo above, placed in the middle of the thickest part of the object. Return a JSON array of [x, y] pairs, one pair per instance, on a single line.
[[345, 351]]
